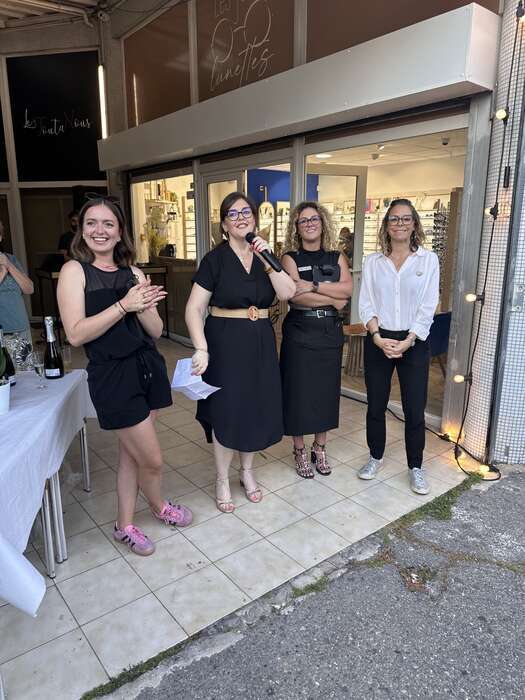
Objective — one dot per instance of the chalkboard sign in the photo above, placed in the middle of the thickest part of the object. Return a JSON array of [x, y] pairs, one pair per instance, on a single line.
[[4, 174], [56, 116]]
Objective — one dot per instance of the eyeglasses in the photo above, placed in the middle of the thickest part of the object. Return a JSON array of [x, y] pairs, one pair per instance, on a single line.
[[233, 214], [303, 221], [89, 196], [406, 219]]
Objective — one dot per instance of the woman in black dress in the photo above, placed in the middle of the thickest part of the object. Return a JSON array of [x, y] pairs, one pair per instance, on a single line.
[[109, 307], [235, 349], [312, 334]]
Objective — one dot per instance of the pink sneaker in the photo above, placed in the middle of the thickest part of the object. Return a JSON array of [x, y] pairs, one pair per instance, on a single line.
[[136, 540], [174, 515]]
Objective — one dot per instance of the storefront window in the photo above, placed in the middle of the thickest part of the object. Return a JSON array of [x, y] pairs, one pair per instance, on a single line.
[[357, 185], [164, 218], [163, 211]]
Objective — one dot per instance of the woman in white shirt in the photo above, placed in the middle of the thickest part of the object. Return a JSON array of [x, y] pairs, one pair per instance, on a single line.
[[399, 295]]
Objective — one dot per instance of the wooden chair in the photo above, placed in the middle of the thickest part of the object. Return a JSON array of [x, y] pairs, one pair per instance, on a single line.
[[356, 334]]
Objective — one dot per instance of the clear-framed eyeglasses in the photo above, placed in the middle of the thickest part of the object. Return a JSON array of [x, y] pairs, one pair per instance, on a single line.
[[405, 220]]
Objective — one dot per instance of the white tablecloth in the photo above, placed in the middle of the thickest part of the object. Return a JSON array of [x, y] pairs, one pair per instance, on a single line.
[[34, 437]]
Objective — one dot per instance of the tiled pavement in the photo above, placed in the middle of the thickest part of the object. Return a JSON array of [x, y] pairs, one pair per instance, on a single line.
[[109, 609]]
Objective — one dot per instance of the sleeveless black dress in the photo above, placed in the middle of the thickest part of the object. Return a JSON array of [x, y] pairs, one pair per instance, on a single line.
[[127, 376], [310, 360], [246, 414]]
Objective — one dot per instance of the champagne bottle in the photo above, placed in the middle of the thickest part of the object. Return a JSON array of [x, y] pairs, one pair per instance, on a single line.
[[53, 365], [6, 363]]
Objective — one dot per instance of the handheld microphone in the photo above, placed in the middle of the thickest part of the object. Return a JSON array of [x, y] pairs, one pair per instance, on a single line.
[[265, 254]]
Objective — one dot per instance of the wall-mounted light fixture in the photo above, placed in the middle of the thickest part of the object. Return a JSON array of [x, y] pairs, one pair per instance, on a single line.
[[460, 378], [472, 297], [102, 98]]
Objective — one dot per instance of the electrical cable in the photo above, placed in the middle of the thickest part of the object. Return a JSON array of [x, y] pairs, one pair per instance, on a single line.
[[494, 211]]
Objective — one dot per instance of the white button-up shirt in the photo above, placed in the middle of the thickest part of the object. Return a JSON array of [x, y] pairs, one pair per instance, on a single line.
[[404, 300]]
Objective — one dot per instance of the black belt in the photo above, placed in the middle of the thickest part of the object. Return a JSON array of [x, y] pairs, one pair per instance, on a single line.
[[315, 313]]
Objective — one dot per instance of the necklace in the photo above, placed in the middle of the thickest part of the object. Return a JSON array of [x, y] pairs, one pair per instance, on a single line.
[[245, 259], [110, 268]]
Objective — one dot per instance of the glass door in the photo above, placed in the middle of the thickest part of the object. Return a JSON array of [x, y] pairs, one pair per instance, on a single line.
[[164, 230], [215, 188], [342, 190]]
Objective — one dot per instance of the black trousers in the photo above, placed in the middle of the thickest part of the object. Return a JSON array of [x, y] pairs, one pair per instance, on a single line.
[[412, 370]]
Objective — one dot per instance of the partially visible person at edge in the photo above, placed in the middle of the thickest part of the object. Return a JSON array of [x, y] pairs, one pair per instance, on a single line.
[[312, 334], [109, 307], [397, 301], [14, 283], [66, 239], [235, 348]]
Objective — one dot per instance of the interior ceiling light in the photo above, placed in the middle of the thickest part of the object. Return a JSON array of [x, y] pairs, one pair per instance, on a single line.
[[323, 156], [375, 156], [380, 146], [502, 113]]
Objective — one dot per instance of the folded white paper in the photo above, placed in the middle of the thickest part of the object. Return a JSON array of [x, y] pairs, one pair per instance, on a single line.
[[188, 384]]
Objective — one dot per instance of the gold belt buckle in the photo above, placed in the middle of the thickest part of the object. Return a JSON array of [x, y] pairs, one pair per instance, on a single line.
[[253, 313]]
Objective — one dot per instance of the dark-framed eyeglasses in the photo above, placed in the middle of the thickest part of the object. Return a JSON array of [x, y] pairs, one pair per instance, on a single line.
[[303, 221], [405, 220], [233, 214]]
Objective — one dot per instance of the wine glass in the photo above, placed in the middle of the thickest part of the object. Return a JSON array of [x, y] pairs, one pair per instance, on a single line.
[[38, 364], [66, 358]]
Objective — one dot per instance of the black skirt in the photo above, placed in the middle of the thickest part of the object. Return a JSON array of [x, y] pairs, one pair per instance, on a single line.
[[246, 414], [311, 373]]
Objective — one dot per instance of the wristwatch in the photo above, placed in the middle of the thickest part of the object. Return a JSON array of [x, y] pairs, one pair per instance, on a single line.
[[315, 287]]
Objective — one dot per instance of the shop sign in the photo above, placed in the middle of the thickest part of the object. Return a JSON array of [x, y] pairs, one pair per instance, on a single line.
[[242, 41]]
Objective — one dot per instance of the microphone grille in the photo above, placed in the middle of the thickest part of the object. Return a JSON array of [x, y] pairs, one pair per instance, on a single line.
[[249, 237]]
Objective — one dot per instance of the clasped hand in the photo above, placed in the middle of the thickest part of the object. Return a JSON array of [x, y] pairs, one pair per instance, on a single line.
[[393, 349], [143, 296]]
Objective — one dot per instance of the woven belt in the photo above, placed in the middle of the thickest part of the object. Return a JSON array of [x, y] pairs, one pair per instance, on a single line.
[[253, 313], [315, 313]]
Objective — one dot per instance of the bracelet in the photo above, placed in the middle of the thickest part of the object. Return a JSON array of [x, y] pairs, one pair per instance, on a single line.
[[120, 308], [268, 269], [374, 333]]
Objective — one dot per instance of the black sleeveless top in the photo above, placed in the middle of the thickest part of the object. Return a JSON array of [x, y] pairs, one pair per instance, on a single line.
[[127, 336], [320, 265]]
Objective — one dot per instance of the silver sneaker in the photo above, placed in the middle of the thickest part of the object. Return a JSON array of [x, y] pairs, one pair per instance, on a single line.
[[370, 469], [418, 481]]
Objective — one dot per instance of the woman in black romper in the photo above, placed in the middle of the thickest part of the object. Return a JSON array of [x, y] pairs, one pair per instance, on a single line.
[[312, 334], [235, 348], [108, 306]]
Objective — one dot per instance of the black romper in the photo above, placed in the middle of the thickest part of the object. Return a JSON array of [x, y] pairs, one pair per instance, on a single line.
[[311, 360], [127, 375], [246, 414]]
